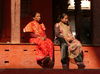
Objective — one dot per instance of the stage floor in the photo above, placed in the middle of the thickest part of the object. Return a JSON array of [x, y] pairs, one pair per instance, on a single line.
[[16, 56]]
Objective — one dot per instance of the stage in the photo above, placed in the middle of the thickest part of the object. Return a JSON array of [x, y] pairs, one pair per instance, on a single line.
[[19, 56]]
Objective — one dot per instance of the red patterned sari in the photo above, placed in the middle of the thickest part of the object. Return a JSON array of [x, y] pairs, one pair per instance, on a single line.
[[38, 36]]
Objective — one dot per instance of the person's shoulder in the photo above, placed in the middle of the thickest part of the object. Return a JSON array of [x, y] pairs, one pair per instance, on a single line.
[[29, 22], [33, 22], [57, 24]]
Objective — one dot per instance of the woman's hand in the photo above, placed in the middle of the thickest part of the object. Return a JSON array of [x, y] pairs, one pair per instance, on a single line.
[[24, 30], [43, 38]]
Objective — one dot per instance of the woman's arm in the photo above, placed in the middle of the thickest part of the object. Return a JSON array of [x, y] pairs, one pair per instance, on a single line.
[[71, 32], [28, 28], [57, 31], [43, 27]]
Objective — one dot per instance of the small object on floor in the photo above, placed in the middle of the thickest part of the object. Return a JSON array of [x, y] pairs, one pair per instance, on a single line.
[[81, 65], [46, 63], [65, 66]]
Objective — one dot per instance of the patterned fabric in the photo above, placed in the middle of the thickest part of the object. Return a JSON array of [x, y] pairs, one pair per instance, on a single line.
[[44, 48], [74, 49], [74, 46], [44, 45], [37, 29]]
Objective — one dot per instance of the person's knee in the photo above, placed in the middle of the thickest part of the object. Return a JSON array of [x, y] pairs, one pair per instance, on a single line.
[[64, 44], [79, 58], [64, 60]]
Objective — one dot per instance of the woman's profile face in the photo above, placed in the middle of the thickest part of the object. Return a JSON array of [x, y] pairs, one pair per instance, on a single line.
[[37, 17], [65, 19]]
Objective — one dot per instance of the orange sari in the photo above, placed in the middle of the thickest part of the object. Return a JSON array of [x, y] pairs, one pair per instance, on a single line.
[[38, 36]]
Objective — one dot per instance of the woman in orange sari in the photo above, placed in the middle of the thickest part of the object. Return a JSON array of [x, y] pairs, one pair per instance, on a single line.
[[44, 51]]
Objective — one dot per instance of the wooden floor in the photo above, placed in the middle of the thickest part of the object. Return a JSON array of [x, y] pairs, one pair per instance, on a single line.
[[18, 56]]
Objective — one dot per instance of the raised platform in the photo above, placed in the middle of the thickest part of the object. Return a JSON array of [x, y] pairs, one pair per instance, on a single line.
[[19, 56]]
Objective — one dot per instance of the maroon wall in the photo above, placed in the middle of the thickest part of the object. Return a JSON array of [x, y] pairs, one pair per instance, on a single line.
[[6, 21], [96, 21], [45, 8]]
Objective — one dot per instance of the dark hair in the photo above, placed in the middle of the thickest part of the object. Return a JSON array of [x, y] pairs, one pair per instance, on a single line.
[[61, 16], [34, 13]]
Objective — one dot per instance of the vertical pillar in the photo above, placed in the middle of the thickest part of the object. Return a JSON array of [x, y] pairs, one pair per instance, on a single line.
[[96, 21], [0, 17], [15, 21], [78, 18]]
